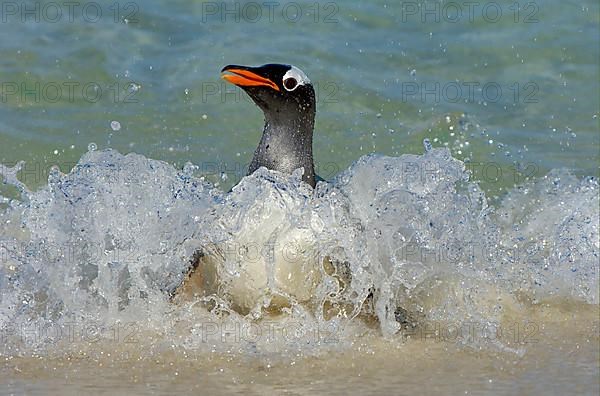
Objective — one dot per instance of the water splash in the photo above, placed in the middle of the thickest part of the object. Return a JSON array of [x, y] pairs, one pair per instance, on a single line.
[[394, 241]]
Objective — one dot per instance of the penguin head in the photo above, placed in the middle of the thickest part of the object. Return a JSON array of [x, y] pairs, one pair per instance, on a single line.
[[279, 90]]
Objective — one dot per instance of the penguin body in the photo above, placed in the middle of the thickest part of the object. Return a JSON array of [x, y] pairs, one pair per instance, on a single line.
[[291, 272]]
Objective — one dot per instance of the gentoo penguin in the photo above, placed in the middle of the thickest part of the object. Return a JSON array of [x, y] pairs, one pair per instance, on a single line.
[[287, 99], [256, 283], [291, 273]]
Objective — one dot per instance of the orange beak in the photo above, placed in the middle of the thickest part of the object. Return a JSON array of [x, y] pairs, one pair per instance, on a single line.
[[245, 78]]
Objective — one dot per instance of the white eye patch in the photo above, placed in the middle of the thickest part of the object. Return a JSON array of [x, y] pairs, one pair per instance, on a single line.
[[294, 78]]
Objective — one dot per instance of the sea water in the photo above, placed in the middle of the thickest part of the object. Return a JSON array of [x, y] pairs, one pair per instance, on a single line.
[[393, 246], [454, 247]]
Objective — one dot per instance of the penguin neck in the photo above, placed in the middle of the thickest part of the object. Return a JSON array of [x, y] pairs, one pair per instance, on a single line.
[[286, 145]]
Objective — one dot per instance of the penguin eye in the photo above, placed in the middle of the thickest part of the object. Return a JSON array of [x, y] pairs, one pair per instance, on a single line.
[[290, 83]]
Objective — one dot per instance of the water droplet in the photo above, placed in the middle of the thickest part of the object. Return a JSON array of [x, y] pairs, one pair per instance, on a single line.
[[115, 125], [189, 169], [54, 175], [427, 145]]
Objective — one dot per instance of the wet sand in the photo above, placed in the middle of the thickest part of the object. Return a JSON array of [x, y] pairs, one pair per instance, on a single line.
[[561, 356]]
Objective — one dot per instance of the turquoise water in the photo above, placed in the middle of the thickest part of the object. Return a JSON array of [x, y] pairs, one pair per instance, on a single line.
[[376, 66], [492, 233]]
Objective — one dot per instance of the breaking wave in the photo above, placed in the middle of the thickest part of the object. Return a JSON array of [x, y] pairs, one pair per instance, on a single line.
[[389, 245]]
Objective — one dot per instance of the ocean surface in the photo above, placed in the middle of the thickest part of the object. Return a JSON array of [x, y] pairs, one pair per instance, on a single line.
[[454, 249]]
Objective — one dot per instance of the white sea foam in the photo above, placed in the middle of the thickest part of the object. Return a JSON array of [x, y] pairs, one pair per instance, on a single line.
[[396, 241]]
